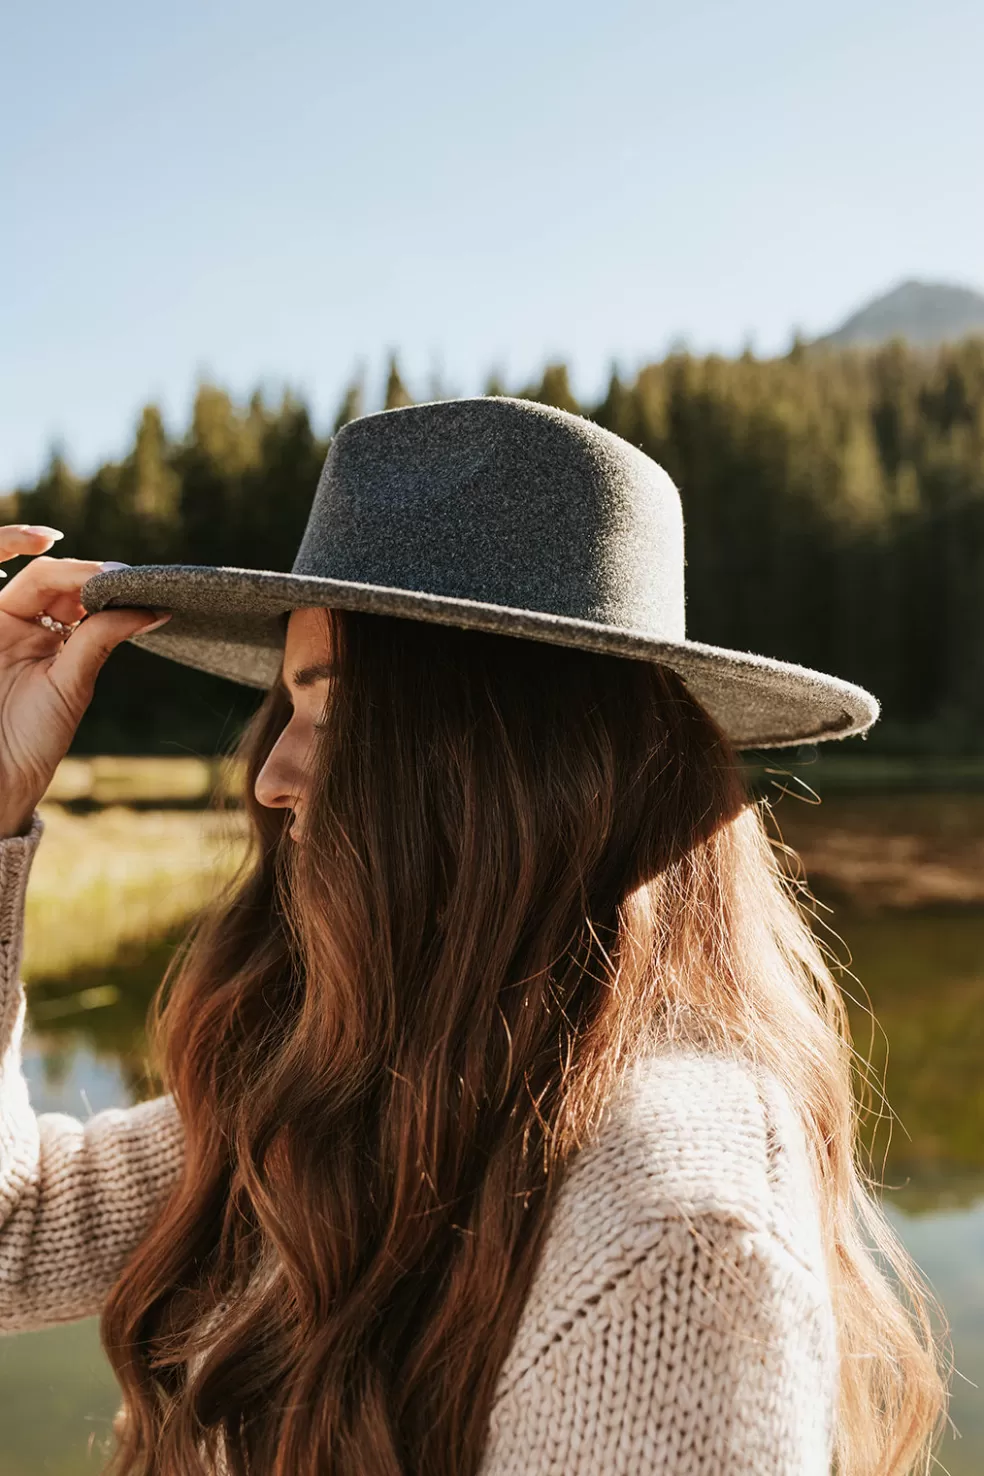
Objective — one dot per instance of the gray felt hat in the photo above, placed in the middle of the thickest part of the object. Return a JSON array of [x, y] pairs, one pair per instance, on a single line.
[[497, 514]]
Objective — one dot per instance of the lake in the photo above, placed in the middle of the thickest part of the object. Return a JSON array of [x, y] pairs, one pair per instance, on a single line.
[[923, 970]]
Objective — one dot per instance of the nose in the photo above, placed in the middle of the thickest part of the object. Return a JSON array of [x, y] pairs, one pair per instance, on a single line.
[[278, 784]]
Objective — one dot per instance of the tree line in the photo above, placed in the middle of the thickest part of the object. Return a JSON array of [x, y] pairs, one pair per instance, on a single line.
[[833, 501]]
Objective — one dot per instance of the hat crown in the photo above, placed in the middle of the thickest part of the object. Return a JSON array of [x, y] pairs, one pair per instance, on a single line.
[[503, 501]]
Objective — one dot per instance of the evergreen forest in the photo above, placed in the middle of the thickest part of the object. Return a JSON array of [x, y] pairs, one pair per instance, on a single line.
[[833, 501]]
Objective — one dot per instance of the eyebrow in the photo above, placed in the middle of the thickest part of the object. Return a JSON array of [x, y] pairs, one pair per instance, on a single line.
[[306, 676]]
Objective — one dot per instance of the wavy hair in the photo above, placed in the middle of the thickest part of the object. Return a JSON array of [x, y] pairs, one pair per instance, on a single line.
[[525, 866]]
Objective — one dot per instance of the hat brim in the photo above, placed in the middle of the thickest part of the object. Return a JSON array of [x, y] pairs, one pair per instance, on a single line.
[[229, 622]]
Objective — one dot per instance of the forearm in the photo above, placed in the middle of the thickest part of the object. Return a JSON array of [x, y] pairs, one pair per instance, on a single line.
[[75, 1198]]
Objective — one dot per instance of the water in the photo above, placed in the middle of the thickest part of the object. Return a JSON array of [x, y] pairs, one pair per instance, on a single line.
[[925, 978], [57, 1393]]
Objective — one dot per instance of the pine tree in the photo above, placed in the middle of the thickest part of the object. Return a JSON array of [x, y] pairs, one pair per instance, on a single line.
[[278, 491], [555, 389], [222, 447], [397, 393], [352, 406], [618, 411], [58, 499], [149, 493]]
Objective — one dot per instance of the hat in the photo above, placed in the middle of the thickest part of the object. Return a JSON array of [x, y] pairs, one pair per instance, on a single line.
[[496, 514]]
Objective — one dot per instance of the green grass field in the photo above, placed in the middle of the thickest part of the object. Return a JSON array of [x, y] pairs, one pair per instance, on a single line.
[[118, 876], [108, 780]]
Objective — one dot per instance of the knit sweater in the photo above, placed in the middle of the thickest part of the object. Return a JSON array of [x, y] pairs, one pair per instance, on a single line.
[[679, 1319]]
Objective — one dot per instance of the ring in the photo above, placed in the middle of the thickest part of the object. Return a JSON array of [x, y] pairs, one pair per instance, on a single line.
[[50, 623]]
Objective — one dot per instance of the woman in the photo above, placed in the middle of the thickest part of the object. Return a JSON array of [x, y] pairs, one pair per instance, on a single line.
[[510, 1122]]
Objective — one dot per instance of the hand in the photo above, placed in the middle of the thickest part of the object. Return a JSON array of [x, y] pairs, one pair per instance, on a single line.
[[46, 678]]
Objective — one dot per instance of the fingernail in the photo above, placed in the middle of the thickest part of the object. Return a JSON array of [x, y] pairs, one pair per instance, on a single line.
[[112, 564], [153, 625], [43, 531]]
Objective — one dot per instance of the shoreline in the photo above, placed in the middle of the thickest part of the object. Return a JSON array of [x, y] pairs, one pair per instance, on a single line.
[[889, 852]]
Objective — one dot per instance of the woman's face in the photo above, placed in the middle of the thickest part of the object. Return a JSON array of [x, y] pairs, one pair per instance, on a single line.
[[282, 782]]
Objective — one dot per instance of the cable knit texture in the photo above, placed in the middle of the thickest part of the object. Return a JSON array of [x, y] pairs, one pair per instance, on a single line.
[[679, 1320]]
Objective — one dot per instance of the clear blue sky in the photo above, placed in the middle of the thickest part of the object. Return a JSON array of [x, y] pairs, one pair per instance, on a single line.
[[277, 193]]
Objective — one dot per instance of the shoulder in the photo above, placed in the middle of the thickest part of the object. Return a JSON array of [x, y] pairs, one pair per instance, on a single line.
[[686, 1234], [697, 1150], [693, 1133]]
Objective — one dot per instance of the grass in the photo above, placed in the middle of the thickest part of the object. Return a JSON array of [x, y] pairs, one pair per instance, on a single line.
[[108, 780], [119, 876]]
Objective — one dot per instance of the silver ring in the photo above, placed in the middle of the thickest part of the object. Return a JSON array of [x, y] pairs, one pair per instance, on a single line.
[[50, 623]]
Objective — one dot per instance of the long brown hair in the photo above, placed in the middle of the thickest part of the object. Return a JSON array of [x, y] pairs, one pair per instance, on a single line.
[[525, 866]]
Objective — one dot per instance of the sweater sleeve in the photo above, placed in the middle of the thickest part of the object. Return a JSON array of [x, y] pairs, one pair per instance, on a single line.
[[713, 1353], [75, 1198]]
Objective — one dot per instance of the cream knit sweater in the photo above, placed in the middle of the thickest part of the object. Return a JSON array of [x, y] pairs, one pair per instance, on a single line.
[[679, 1321]]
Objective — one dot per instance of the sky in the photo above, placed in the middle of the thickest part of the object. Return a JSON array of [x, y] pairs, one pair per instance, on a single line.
[[282, 195]]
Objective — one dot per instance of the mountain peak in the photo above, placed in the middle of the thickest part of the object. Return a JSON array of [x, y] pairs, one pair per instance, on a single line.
[[925, 313]]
